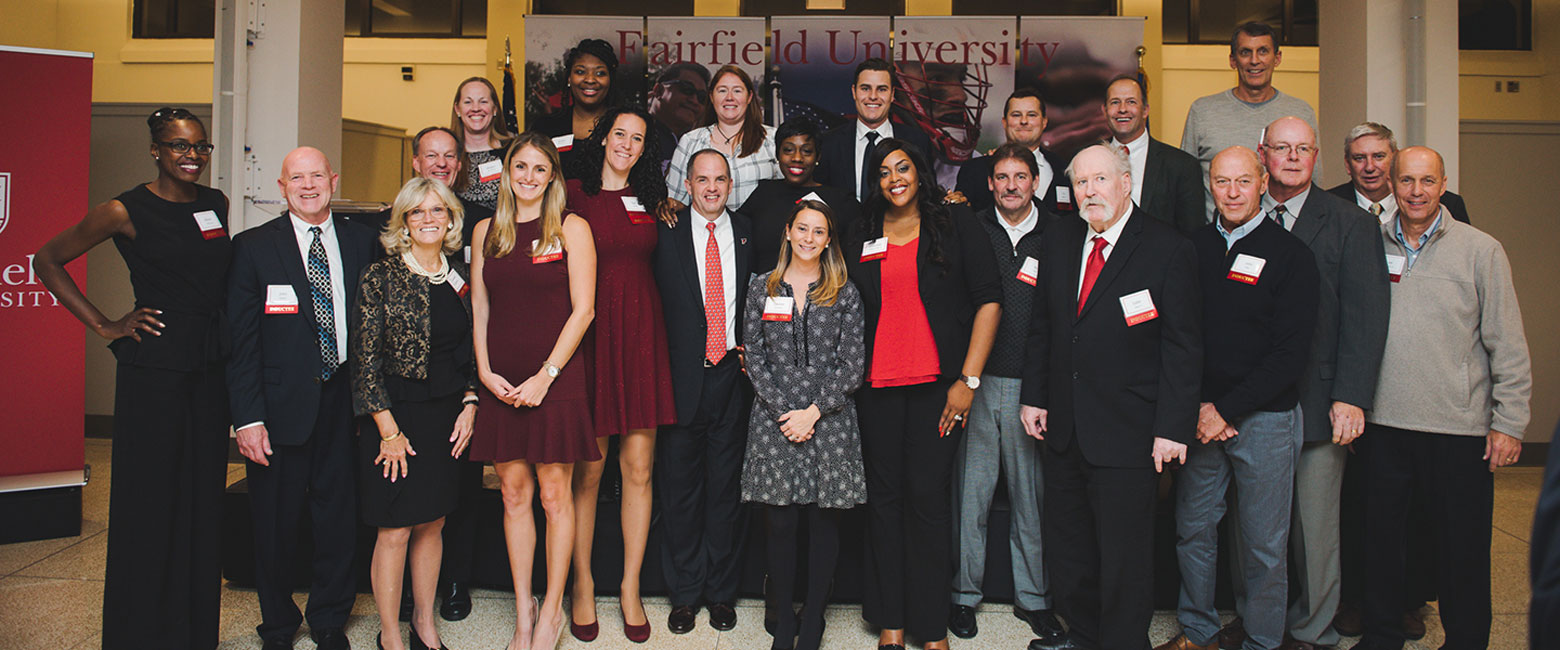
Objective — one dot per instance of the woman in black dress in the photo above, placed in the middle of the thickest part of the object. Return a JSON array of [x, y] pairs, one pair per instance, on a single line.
[[413, 371], [589, 67], [772, 203], [163, 578]]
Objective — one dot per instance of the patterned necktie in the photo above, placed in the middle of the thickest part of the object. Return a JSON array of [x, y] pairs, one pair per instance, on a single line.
[[324, 304], [1281, 216], [1092, 271], [866, 159], [714, 300], [1375, 209]]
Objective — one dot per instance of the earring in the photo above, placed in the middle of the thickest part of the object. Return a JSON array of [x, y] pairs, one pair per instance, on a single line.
[[405, 232]]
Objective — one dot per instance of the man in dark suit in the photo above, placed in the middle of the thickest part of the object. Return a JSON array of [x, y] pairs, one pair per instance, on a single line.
[[1166, 182], [1111, 385], [1544, 613], [701, 267], [1367, 154], [293, 282], [843, 152], [436, 154], [1340, 379], [1023, 122]]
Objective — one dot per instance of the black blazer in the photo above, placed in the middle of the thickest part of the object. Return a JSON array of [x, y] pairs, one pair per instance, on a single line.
[[951, 292], [1174, 187], [837, 153], [1544, 565], [974, 173], [274, 373], [1351, 319], [1114, 387], [682, 302], [1454, 203]]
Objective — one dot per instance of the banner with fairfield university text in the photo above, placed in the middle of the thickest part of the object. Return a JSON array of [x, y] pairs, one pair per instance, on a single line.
[[43, 189]]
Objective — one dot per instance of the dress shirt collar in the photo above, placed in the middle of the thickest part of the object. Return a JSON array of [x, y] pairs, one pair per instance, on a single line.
[[1135, 147], [1293, 206], [1388, 205], [1232, 236], [884, 130], [301, 227], [1424, 237], [1024, 227], [1111, 234]]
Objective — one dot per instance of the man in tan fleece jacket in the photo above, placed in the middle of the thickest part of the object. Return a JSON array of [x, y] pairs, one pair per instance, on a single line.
[[1451, 405]]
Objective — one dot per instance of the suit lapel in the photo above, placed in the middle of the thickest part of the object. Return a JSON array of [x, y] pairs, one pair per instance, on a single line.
[[1118, 259], [1309, 223], [739, 235], [1151, 174], [291, 262], [351, 261], [682, 238]]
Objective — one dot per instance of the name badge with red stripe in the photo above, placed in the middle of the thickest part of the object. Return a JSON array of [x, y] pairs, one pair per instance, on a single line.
[[1029, 271], [636, 211], [553, 253], [280, 299], [1064, 197], [1138, 307], [490, 171], [875, 249], [564, 142], [457, 283], [812, 196], [778, 308], [210, 226], [1246, 268], [1395, 266]]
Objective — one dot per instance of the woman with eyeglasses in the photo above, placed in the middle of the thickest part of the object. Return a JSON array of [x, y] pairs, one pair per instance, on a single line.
[[735, 127], [771, 204], [163, 577], [477, 119]]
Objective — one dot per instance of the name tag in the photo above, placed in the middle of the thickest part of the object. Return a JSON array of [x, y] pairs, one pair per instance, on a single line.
[[1246, 268], [1029, 271], [875, 249], [457, 283], [636, 211], [1064, 197], [1138, 307], [490, 170], [210, 226], [280, 299], [564, 142], [778, 308], [552, 253], [1395, 266], [812, 196]]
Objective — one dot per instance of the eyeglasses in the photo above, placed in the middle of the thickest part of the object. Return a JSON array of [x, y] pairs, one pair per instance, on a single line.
[[1283, 149], [685, 87], [181, 147]]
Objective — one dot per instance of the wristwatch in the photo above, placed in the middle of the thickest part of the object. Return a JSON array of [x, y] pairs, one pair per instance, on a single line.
[[552, 370], [972, 382]]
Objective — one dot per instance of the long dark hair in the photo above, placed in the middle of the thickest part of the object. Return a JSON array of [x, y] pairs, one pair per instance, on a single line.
[[645, 179], [928, 198]]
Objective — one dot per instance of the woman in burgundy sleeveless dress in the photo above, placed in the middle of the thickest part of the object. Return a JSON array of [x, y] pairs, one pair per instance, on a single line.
[[617, 187]]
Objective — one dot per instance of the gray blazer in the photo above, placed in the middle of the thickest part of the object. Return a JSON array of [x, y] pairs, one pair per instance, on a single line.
[[1351, 323]]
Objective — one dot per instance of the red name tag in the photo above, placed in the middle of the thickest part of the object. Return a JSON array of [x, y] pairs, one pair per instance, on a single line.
[[1028, 272], [1241, 277], [210, 226], [875, 249], [778, 308], [490, 171], [1138, 307], [552, 254], [637, 214]]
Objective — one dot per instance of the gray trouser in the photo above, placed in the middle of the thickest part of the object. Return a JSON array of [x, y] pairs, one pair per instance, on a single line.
[[994, 435], [1261, 463]]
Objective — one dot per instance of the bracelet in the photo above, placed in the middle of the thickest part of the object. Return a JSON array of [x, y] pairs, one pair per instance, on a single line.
[[469, 399], [393, 437]]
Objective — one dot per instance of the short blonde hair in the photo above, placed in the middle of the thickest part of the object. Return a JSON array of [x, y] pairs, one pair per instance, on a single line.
[[395, 237]]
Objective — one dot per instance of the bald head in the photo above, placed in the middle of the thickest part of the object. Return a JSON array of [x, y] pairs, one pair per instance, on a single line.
[[1418, 180], [307, 183], [1289, 154], [1237, 180]]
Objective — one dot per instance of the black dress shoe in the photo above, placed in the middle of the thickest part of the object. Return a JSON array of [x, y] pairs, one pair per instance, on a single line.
[[1066, 643], [333, 639], [682, 618], [723, 616], [961, 621], [457, 601], [1044, 625], [277, 645]]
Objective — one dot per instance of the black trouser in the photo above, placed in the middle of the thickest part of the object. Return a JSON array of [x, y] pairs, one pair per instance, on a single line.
[[163, 576], [1450, 476], [1351, 526], [909, 562], [317, 476], [698, 485], [823, 554], [1099, 547], [460, 526]]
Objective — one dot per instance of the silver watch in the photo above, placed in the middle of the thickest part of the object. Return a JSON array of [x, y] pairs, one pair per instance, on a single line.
[[972, 382], [552, 370]]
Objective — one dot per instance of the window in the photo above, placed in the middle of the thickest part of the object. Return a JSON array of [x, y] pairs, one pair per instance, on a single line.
[[174, 19], [799, 8], [1495, 24], [612, 7], [417, 18], [1212, 21], [1033, 7]]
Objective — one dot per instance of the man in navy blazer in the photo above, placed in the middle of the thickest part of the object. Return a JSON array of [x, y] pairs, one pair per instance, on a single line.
[[699, 486], [1023, 122], [292, 285], [1112, 383], [843, 152]]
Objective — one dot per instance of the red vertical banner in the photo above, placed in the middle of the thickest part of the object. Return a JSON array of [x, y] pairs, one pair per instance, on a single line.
[[43, 189]]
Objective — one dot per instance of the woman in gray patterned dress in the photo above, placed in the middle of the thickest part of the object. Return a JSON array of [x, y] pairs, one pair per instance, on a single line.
[[805, 356]]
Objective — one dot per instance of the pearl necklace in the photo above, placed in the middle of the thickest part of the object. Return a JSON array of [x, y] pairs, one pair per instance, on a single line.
[[435, 277]]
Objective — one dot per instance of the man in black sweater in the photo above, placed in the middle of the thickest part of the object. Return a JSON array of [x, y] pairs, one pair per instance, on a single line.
[[1260, 292]]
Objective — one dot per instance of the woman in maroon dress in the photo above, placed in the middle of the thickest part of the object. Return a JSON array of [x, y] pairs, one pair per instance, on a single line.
[[534, 282], [617, 189]]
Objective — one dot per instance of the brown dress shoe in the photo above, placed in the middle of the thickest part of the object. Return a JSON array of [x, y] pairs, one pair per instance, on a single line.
[[1180, 642], [1233, 636], [1348, 621]]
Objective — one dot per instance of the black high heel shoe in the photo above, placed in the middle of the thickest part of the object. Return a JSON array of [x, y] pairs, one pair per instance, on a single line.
[[417, 642]]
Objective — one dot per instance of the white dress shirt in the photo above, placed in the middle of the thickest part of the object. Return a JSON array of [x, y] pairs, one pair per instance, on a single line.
[[1137, 152], [338, 289], [1388, 204], [1111, 235], [728, 264], [1024, 227], [1044, 177], [884, 130]]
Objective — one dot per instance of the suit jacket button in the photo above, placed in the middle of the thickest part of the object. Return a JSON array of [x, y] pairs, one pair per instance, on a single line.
[[317, 380], [1075, 376]]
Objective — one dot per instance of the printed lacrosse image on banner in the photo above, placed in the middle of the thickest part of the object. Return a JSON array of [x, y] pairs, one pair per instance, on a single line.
[[953, 75], [682, 52], [814, 59], [1070, 60], [548, 40]]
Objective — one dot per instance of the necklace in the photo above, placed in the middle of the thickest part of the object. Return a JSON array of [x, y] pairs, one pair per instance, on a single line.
[[722, 134], [436, 277]]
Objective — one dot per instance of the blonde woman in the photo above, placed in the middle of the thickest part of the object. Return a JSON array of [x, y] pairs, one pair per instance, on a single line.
[[805, 355], [477, 118], [413, 372], [534, 281]]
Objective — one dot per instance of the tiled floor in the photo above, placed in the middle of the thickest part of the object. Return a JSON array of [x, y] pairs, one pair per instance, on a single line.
[[51, 593]]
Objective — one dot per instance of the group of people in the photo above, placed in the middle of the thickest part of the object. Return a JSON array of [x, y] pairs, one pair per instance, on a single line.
[[807, 322]]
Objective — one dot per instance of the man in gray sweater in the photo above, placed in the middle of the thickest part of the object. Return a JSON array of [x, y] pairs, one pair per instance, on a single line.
[[1237, 116], [1451, 405]]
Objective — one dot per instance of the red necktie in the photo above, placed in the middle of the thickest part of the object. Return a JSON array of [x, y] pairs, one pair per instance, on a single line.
[[714, 301], [1126, 151], [1092, 271]]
